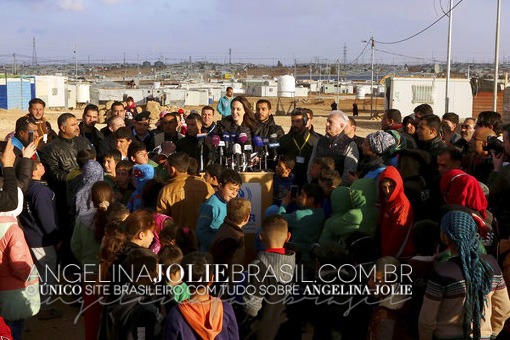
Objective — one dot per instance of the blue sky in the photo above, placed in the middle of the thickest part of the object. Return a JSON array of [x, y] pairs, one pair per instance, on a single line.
[[256, 30]]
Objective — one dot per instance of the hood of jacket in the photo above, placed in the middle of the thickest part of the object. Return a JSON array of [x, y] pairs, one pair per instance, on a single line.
[[458, 187], [344, 199], [391, 173], [92, 173]]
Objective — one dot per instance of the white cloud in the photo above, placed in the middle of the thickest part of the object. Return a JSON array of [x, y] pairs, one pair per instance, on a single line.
[[111, 2], [70, 5]]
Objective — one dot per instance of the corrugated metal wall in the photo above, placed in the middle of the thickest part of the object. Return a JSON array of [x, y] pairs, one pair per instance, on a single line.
[[16, 93]]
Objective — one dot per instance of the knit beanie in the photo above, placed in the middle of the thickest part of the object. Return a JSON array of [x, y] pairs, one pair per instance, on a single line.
[[380, 142], [143, 173]]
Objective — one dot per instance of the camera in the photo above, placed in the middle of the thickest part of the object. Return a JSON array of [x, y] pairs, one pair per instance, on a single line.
[[493, 143]]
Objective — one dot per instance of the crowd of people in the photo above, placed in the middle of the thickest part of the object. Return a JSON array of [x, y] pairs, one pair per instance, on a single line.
[[424, 192]]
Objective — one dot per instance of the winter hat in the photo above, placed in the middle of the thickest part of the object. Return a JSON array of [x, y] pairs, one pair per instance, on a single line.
[[380, 142], [143, 173]]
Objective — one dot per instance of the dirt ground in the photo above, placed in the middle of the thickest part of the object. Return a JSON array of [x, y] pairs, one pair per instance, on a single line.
[[67, 327]]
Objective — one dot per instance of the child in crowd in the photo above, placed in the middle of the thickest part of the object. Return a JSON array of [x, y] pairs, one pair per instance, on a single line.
[[202, 316], [75, 178], [329, 180], [193, 167], [160, 220], [134, 315], [319, 164], [346, 214], [123, 184], [19, 289], [214, 210], [39, 221], [137, 154], [135, 232], [123, 137], [283, 177], [268, 312], [170, 257], [92, 173], [85, 244], [142, 173], [306, 223], [466, 295], [228, 244], [212, 175], [173, 234], [395, 217], [110, 160]]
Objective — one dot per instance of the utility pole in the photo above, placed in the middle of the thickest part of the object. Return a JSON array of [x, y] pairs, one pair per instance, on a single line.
[[448, 58], [75, 64], [14, 57], [496, 60], [372, 115], [345, 54], [230, 56], [34, 53]]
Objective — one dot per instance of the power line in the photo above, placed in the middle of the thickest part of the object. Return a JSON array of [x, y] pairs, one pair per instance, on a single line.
[[420, 32], [408, 56], [359, 55]]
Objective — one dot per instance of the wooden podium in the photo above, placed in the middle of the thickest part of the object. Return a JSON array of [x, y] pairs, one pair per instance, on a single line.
[[258, 188]]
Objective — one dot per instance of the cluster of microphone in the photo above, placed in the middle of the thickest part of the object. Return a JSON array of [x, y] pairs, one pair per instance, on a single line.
[[239, 153]]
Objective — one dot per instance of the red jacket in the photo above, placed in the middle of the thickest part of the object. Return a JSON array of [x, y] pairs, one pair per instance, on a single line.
[[395, 217]]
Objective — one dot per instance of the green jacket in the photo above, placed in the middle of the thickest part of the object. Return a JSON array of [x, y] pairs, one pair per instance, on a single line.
[[346, 217]]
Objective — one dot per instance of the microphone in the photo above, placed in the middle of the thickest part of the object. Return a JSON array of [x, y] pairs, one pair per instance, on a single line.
[[273, 141], [215, 141], [221, 145], [266, 151], [236, 158], [259, 145], [247, 156], [257, 140], [226, 139], [243, 138], [273, 144]]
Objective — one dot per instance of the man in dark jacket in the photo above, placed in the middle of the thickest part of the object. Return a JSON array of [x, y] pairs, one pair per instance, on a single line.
[[88, 128], [266, 126], [298, 144], [59, 159], [191, 144], [429, 137]]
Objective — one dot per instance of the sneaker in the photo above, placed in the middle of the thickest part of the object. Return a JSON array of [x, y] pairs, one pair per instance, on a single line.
[[49, 314]]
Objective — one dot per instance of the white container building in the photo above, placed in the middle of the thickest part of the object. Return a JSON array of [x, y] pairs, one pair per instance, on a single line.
[[407, 93]]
